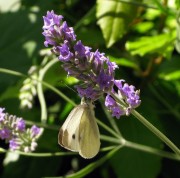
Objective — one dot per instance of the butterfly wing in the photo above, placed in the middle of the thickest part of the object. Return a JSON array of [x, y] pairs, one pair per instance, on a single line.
[[68, 134], [89, 137]]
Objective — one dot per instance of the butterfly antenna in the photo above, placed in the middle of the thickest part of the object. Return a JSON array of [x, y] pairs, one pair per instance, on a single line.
[[68, 87]]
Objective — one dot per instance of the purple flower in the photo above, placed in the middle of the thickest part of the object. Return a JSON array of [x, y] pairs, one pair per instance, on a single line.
[[5, 133], [119, 83], [109, 102], [129, 94], [13, 131], [68, 32], [105, 81], [2, 114], [35, 130], [94, 70], [20, 125], [65, 53], [13, 144], [81, 51], [51, 19], [88, 92], [117, 111]]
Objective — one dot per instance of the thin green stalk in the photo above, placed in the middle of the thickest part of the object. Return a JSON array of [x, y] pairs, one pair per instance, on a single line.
[[109, 130], [151, 150], [109, 139], [152, 128], [12, 72], [40, 93], [90, 167], [112, 121], [40, 124], [108, 148], [19, 74], [39, 154]]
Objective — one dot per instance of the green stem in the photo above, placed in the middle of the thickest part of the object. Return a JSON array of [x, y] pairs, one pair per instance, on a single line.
[[42, 101], [112, 121], [46, 126], [12, 72], [109, 130], [92, 166], [152, 150], [39, 154], [153, 129], [109, 139]]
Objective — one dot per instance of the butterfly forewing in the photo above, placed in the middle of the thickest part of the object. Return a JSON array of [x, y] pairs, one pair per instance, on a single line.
[[89, 141], [69, 132]]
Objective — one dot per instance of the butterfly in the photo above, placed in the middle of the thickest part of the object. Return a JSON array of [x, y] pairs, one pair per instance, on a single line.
[[80, 131]]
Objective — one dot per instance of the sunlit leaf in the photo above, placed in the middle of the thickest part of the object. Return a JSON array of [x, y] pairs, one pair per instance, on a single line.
[[114, 18], [124, 62], [160, 44]]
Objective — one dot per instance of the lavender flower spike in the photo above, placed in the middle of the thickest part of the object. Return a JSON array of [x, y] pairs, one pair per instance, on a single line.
[[13, 131], [93, 69]]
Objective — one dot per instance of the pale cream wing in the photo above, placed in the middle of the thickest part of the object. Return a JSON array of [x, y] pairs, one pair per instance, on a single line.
[[89, 137], [68, 134]]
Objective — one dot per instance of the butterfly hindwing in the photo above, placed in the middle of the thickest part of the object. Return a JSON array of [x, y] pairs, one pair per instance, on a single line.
[[89, 141]]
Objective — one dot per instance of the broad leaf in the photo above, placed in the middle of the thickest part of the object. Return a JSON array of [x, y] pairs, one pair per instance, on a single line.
[[114, 18], [161, 44]]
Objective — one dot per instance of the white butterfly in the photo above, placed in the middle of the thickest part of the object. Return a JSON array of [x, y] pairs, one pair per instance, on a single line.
[[80, 131]]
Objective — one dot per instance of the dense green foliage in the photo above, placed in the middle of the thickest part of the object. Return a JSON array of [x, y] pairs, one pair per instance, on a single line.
[[142, 37]]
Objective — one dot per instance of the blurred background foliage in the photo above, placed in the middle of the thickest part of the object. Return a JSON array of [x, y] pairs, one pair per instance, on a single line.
[[142, 37]]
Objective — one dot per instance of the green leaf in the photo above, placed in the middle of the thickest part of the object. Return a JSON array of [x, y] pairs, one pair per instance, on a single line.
[[170, 70], [124, 62], [171, 76], [161, 44], [114, 18]]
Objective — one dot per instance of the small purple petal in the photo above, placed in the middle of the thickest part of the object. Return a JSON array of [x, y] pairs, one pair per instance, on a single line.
[[65, 53], [119, 83], [81, 50], [5, 133], [117, 112], [35, 130], [51, 19], [68, 32], [105, 81], [109, 102], [21, 125], [13, 145]]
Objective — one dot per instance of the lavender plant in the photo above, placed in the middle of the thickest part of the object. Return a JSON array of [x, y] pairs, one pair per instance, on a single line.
[[95, 72], [96, 75], [93, 69], [13, 131]]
